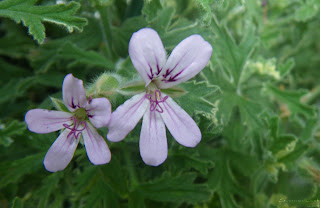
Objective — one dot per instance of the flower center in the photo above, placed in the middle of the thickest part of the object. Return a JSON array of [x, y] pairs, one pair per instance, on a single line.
[[155, 100], [75, 131], [80, 114]]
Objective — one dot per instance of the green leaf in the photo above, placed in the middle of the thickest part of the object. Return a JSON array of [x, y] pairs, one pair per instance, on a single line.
[[292, 99], [291, 158], [101, 196], [286, 67], [230, 56], [307, 10], [44, 57], [12, 171], [222, 180], [15, 43], [33, 16], [49, 185], [196, 97], [80, 56], [16, 87], [124, 33], [17, 203], [151, 8], [11, 129], [188, 159], [175, 189], [162, 21]]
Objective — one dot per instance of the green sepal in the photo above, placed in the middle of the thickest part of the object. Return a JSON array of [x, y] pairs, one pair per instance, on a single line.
[[59, 105]]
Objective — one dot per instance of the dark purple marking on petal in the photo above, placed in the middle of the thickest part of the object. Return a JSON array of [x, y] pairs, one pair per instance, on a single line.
[[73, 105], [151, 74], [169, 71], [174, 78], [158, 68]]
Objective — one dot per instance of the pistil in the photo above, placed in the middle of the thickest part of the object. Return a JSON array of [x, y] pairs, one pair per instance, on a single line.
[[156, 100], [74, 127]]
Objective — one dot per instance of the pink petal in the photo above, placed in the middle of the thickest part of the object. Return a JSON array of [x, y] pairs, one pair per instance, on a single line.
[[180, 124], [99, 112], [61, 152], [186, 60], [126, 117], [147, 53], [74, 94], [153, 139], [44, 121], [97, 149]]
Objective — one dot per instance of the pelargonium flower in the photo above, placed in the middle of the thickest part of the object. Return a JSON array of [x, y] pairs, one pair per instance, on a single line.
[[159, 110], [83, 115]]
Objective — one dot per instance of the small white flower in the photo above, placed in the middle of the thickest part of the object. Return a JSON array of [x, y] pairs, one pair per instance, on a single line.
[[83, 114], [149, 58]]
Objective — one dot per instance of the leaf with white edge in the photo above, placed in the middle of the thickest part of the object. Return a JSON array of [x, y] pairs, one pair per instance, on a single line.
[[229, 55], [196, 99], [32, 16]]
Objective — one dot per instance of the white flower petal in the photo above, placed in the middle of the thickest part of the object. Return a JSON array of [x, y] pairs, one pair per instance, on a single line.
[[99, 112], [61, 152], [97, 149], [44, 121], [153, 139], [73, 92], [126, 117], [186, 60], [147, 53], [180, 124]]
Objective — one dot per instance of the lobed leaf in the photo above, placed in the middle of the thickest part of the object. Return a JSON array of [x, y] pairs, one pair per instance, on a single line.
[[33, 16]]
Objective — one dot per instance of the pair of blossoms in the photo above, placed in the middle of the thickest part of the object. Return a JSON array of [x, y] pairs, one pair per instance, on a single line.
[[157, 109]]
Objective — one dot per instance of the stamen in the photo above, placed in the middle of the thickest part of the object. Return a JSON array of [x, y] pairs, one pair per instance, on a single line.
[[155, 103], [74, 127]]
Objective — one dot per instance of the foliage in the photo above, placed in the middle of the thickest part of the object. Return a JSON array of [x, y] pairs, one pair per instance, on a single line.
[[256, 102]]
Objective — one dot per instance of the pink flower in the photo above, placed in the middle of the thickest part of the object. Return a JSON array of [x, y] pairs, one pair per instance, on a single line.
[[149, 58], [83, 114]]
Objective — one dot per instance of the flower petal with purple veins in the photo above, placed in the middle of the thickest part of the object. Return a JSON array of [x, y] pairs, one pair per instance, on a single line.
[[147, 53], [97, 149], [44, 121], [126, 117], [61, 152], [186, 60], [73, 92], [153, 139], [99, 112], [180, 124]]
